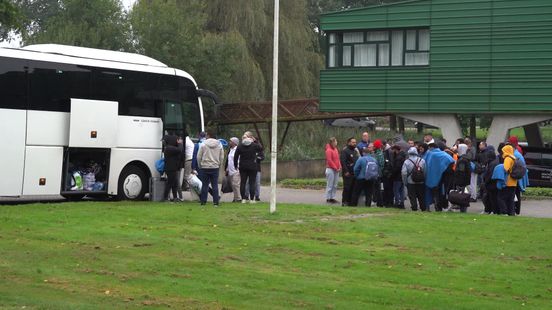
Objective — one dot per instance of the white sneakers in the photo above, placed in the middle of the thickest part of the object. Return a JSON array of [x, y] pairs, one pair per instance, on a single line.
[[244, 201], [249, 201]]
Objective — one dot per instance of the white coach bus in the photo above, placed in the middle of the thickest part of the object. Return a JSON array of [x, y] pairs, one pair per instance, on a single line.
[[86, 122]]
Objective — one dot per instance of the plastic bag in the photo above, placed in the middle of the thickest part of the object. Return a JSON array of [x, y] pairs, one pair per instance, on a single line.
[[195, 183], [88, 181], [78, 181], [160, 165]]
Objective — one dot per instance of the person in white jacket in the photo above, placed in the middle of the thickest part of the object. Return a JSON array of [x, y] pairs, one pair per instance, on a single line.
[[209, 158]]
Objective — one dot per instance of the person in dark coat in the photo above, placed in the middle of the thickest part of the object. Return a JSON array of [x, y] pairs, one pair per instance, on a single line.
[[348, 158], [398, 186], [489, 188], [173, 158], [245, 160]]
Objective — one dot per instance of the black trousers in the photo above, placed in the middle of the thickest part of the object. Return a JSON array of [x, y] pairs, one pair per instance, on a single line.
[[387, 192], [248, 175], [378, 193], [439, 197], [489, 200], [416, 195], [506, 200], [348, 185], [172, 184], [362, 186], [518, 202]]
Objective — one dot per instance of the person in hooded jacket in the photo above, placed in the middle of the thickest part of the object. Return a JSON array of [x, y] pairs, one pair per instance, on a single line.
[[333, 167], [490, 190], [210, 157], [438, 163], [506, 195], [380, 159], [245, 160], [416, 190], [173, 158]]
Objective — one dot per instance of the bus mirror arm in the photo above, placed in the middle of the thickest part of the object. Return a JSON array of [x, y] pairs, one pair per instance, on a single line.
[[209, 94]]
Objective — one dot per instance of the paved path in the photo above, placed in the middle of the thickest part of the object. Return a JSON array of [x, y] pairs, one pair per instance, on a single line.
[[531, 208]]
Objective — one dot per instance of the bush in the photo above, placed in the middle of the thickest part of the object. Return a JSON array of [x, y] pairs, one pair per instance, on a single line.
[[306, 183]]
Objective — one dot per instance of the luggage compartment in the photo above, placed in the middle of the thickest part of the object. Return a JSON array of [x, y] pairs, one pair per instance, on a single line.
[[85, 172]]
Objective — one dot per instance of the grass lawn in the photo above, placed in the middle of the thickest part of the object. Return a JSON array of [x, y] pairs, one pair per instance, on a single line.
[[104, 255]]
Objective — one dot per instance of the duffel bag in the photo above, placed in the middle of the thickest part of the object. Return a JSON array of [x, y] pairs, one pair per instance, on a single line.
[[459, 198]]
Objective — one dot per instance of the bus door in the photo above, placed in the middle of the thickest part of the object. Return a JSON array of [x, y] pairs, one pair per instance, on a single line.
[[173, 118]]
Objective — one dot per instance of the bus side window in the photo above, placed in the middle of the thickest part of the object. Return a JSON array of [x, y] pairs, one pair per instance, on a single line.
[[13, 83]]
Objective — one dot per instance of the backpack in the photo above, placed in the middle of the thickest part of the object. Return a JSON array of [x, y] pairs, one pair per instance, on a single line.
[[518, 170], [372, 171], [417, 173]]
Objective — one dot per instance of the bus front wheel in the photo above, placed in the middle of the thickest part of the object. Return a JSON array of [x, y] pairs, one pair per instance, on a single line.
[[132, 184]]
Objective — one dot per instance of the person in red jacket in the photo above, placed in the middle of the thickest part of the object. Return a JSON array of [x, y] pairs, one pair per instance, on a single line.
[[333, 167]]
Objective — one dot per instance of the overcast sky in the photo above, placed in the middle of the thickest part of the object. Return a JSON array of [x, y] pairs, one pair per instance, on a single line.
[[16, 42]]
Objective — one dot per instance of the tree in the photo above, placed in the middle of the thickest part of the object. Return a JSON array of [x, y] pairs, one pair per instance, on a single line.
[[11, 19], [227, 45], [97, 24]]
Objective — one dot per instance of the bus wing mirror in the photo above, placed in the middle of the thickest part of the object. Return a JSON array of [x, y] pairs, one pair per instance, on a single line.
[[209, 94]]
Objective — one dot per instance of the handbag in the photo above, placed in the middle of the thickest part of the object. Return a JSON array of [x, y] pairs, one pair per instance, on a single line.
[[226, 185], [458, 197]]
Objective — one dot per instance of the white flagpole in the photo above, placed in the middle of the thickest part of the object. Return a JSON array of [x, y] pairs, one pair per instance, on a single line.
[[274, 148]]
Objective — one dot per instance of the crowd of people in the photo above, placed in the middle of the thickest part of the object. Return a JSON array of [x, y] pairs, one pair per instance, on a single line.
[[429, 172], [185, 161]]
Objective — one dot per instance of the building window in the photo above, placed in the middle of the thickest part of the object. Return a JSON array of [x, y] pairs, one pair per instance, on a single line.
[[379, 48]]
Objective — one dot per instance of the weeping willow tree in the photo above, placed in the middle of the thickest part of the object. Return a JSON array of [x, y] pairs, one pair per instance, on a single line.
[[227, 45], [253, 20]]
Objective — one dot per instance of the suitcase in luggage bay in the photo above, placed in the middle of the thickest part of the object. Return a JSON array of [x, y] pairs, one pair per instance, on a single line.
[[157, 189]]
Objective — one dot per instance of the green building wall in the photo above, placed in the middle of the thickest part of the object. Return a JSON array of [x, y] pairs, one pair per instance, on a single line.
[[486, 56]]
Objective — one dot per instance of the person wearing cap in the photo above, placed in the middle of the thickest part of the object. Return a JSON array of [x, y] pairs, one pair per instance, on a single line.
[[416, 190], [513, 140], [231, 170]]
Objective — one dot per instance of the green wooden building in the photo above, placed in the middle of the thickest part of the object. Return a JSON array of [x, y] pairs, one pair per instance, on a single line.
[[439, 58]]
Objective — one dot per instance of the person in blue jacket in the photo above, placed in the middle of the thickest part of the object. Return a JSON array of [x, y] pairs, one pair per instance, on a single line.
[[361, 183], [522, 183], [437, 163]]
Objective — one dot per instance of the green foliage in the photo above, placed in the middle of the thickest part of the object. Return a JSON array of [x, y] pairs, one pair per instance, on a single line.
[[11, 18], [98, 24], [538, 192], [97, 255], [306, 183]]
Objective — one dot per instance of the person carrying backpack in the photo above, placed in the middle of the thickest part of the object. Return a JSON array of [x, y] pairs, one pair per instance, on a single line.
[[413, 174], [366, 173], [515, 171], [462, 176], [399, 156]]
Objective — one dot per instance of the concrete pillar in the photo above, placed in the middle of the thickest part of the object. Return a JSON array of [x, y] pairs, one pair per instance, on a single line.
[[448, 123], [502, 123]]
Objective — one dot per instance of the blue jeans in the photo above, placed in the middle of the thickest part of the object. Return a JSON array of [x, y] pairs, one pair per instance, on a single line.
[[398, 192], [332, 177], [209, 176], [257, 185]]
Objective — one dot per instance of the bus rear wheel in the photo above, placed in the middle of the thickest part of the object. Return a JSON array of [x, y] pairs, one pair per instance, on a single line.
[[132, 184]]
